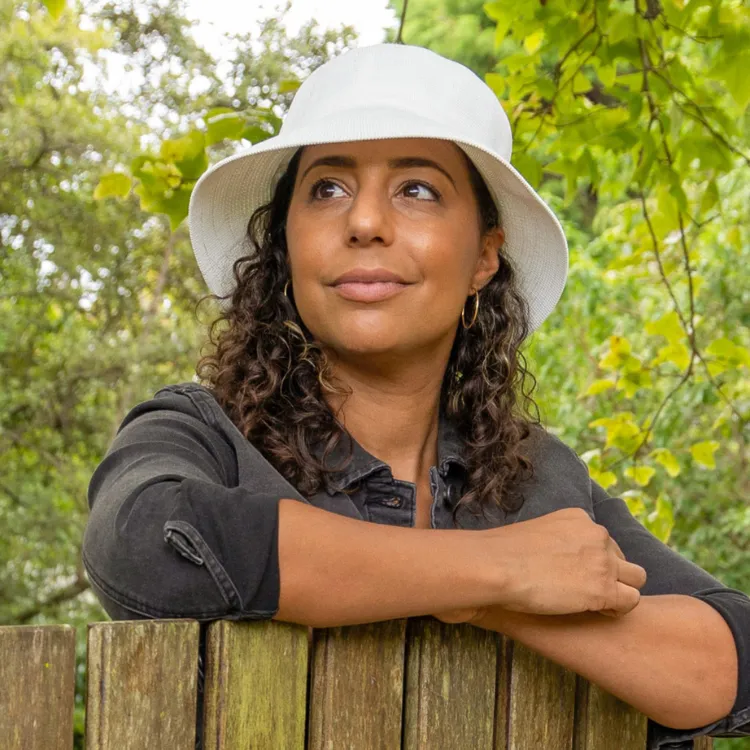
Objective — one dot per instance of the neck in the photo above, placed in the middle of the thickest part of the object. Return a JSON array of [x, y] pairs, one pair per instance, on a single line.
[[393, 416]]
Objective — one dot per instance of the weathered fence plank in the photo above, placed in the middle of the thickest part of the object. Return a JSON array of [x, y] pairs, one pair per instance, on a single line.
[[703, 743], [356, 694], [450, 686], [142, 685], [37, 687], [542, 702], [602, 720], [255, 686]]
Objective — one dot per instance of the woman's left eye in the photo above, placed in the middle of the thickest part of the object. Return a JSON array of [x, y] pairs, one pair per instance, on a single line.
[[427, 193]]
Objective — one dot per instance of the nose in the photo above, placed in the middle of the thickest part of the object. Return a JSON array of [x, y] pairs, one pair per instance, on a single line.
[[369, 218]]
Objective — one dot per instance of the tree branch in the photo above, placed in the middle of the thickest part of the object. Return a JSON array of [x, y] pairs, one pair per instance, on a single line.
[[399, 39], [60, 596]]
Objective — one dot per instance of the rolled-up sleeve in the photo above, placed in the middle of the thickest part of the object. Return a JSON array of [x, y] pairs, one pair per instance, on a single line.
[[167, 534], [670, 573]]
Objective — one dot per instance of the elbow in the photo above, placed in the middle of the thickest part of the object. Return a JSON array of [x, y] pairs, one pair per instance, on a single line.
[[709, 701], [139, 573]]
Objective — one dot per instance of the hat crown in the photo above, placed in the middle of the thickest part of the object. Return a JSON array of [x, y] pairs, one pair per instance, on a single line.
[[408, 79]]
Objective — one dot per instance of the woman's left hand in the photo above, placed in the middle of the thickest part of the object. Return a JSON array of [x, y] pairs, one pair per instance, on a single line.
[[472, 615]]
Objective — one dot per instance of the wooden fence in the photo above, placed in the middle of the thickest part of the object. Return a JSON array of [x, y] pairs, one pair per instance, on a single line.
[[416, 684]]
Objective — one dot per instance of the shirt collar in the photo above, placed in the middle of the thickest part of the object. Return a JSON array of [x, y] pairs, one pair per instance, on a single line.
[[451, 452]]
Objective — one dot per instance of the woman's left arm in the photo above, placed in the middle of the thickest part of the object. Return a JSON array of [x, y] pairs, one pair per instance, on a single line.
[[682, 656], [672, 657]]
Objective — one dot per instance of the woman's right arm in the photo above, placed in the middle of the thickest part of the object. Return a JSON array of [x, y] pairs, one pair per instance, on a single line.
[[342, 571], [168, 536]]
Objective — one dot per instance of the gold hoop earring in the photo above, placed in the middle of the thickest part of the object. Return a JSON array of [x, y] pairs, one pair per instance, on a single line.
[[286, 286], [476, 312]]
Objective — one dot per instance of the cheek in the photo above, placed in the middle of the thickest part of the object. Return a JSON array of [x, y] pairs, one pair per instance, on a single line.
[[305, 244], [449, 263]]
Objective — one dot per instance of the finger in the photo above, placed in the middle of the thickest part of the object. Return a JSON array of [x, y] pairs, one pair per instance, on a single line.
[[617, 549], [631, 574], [627, 598]]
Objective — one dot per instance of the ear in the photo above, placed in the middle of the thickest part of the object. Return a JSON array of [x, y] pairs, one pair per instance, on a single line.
[[488, 261]]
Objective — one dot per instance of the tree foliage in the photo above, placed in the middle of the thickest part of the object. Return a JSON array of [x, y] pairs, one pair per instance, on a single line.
[[98, 295], [631, 118]]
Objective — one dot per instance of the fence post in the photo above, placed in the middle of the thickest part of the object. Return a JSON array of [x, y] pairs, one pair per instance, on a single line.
[[452, 675], [542, 702], [357, 684], [37, 686], [141, 689], [256, 685], [602, 720]]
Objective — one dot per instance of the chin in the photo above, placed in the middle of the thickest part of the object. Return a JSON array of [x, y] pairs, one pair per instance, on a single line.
[[369, 342]]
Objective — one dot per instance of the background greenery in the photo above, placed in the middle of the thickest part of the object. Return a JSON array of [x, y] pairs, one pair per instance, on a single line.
[[630, 117]]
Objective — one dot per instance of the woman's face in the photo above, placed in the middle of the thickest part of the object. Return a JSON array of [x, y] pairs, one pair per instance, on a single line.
[[403, 207]]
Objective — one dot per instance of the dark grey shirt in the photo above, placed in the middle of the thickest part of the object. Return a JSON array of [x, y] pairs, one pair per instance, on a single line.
[[184, 523]]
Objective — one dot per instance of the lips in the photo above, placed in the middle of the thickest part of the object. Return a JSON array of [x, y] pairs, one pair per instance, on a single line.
[[369, 284], [369, 276], [372, 291]]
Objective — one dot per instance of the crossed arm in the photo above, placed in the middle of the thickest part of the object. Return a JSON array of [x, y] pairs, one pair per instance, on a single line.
[[672, 657]]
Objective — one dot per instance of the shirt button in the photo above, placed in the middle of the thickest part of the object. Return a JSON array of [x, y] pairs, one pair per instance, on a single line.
[[394, 502]]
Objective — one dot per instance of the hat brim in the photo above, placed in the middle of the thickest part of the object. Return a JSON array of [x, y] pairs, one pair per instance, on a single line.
[[228, 193]]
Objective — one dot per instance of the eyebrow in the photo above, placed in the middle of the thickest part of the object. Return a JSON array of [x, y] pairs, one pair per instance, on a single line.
[[403, 162]]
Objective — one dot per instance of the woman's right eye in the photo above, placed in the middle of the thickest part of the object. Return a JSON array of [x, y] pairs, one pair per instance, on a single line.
[[323, 189]]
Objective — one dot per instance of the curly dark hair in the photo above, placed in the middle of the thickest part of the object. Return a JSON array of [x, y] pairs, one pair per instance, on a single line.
[[269, 374]]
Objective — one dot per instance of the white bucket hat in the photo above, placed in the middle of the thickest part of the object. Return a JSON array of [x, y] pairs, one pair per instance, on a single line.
[[385, 91]]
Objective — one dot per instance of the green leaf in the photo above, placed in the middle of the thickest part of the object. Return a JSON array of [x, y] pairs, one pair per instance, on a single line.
[[529, 167], [607, 75], [666, 218], [604, 478], [496, 83], [54, 7], [678, 354], [618, 354], [255, 134], [633, 380], [640, 474], [288, 85], [113, 185], [501, 31], [732, 71], [188, 154], [216, 111], [667, 459], [173, 203], [661, 520], [176, 206], [620, 26], [703, 453], [724, 348], [622, 431], [581, 84], [710, 197], [496, 11], [646, 157], [599, 386], [592, 457], [668, 326], [224, 126], [533, 41], [635, 500]]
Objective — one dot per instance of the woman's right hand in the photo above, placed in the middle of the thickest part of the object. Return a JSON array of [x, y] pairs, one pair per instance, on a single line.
[[563, 563]]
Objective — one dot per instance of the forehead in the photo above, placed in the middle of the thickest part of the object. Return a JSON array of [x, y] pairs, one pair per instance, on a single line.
[[445, 153]]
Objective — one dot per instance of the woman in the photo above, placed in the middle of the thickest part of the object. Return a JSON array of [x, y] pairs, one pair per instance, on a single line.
[[361, 448]]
